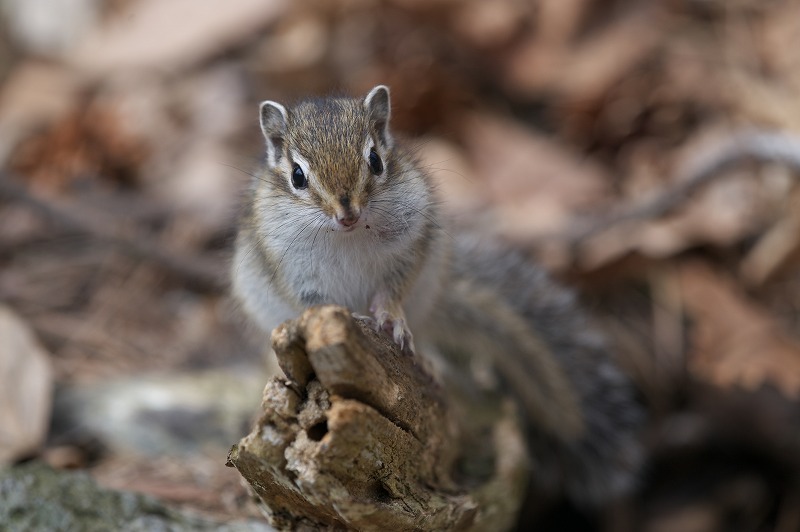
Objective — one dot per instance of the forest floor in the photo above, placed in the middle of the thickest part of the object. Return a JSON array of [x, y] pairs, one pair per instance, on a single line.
[[129, 133]]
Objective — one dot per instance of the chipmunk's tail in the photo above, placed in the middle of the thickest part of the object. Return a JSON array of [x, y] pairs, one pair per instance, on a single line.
[[582, 412]]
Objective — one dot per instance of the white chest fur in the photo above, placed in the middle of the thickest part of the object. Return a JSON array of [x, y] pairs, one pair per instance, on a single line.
[[318, 265], [328, 266]]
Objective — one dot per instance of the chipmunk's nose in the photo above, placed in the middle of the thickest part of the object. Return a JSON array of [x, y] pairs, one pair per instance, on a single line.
[[347, 215], [347, 220]]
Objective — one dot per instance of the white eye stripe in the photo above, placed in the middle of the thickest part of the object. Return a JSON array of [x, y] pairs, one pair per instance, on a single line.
[[302, 163], [368, 144]]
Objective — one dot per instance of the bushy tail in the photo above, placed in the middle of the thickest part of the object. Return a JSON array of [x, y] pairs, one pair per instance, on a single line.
[[582, 412]]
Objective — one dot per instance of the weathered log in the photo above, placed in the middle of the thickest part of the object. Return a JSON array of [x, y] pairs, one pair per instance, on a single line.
[[361, 436]]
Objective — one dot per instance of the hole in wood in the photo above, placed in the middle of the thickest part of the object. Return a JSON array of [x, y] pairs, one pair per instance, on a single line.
[[318, 431], [381, 494]]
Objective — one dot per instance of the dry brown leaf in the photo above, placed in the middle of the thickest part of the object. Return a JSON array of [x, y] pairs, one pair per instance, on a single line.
[[34, 94], [560, 20], [737, 203], [167, 35], [89, 141], [721, 215], [536, 183], [777, 249], [296, 44], [589, 69], [26, 388], [461, 191], [736, 343], [491, 24]]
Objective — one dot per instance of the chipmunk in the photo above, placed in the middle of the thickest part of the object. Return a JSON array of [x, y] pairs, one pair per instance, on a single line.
[[343, 214]]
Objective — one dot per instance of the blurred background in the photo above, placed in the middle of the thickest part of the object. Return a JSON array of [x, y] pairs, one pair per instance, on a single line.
[[128, 130]]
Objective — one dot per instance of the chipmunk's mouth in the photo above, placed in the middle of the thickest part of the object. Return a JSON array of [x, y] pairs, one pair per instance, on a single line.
[[351, 223], [339, 228]]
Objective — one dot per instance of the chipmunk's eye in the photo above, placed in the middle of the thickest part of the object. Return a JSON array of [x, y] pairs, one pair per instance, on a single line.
[[299, 180], [375, 163]]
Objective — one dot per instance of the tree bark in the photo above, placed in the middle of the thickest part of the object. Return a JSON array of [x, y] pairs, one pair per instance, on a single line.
[[360, 436]]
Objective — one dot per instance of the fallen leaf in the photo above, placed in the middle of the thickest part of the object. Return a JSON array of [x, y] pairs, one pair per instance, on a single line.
[[738, 202], [461, 192], [777, 250], [34, 94], [148, 36], [90, 141], [736, 342], [26, 389], [536, 183], [592, 65], [492, 24]]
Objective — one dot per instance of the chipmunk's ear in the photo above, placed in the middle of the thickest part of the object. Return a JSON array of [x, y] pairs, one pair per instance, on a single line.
[[274, 119], [379, 109]]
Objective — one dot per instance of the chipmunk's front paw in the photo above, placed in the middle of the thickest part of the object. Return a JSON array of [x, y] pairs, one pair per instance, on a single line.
[[394, 325], [398, 331]]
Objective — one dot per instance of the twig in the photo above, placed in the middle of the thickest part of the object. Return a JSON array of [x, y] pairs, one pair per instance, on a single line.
[[198, 272], [761, 146]]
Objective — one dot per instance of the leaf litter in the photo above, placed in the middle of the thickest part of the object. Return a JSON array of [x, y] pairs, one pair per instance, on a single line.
[[564, 127]]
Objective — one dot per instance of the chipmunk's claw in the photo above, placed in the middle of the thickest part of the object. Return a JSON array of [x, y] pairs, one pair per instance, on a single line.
[[397, 329]]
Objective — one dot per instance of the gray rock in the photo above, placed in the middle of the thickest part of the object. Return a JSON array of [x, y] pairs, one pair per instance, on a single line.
[[35, 497], [173, 414]]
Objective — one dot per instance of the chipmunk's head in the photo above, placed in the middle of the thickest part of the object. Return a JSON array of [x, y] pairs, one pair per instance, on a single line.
[[330, 154]]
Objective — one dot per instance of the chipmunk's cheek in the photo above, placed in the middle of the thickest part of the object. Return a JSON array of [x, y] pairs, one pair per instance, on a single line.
[[378, 223], [331, 224], [366, 217], [372, 222]]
